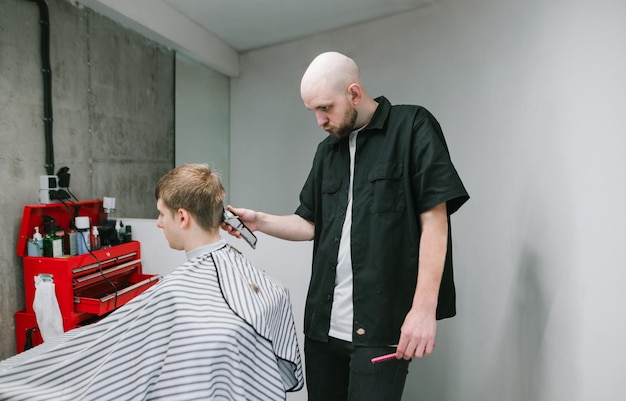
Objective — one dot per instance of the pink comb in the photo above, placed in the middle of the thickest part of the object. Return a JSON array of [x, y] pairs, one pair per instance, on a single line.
[[384, 358], [387, 357]]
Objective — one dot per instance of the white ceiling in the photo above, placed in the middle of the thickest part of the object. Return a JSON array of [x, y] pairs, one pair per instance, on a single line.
[[251, 24], [215, 32]]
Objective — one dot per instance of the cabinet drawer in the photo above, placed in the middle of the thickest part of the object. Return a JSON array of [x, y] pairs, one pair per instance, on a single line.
[[104, 274], [110, 294]]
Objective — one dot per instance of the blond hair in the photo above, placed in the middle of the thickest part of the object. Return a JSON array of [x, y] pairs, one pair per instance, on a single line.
[[195, 188]]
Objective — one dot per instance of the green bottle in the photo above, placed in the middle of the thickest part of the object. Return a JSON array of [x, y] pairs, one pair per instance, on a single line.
[[52, 245]]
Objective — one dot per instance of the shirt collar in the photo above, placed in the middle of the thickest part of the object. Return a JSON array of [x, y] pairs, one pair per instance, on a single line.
[[201, 250], [380, 115]]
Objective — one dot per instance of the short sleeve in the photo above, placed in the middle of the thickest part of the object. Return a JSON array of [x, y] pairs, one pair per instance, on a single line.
[[434, 177]]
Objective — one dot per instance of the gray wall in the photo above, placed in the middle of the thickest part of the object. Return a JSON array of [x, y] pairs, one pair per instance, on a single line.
[[202, 117], [112, 93], [531, 97]]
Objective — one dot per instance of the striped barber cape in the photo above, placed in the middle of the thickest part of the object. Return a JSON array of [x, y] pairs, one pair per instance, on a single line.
[[216, 328]]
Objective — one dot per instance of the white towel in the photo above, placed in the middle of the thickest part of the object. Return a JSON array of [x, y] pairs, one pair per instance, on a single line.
[[47, 309]]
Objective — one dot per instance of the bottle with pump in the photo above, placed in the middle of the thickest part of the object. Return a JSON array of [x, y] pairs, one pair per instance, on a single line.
[[35, 245]]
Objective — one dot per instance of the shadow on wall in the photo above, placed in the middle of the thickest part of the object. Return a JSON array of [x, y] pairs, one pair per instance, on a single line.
[[528, 360], [526, 324], [510, 369]]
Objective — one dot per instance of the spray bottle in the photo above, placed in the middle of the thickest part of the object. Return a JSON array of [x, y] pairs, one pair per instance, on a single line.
[[95, 238], [118, 231]]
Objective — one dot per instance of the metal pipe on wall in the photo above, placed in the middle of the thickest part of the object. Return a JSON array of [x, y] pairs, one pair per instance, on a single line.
[[44, 21]]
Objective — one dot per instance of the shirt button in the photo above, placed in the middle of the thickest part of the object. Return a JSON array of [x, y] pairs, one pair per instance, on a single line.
[[360, 331]]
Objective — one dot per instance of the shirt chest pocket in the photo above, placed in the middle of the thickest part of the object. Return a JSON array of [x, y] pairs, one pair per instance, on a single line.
[[330, 197], [387, 191]]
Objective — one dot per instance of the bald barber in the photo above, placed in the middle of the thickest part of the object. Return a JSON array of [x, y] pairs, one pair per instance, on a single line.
[[377, 204]]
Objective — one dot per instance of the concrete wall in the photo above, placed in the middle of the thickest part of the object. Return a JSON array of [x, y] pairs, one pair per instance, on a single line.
[[112, 93], [530, 96]]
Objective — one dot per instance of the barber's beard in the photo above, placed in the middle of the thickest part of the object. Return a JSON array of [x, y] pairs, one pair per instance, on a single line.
[[347, 126]]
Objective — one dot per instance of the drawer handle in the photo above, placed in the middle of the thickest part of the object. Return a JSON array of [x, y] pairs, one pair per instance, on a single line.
[[106, 272], [130, 288]]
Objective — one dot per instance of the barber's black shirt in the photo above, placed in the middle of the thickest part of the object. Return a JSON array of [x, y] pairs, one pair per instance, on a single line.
[[402, 169]]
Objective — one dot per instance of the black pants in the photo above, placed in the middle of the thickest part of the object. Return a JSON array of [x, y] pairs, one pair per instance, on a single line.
[[338, 371]]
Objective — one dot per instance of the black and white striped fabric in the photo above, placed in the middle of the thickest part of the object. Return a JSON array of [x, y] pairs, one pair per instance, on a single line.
[[216, 328]]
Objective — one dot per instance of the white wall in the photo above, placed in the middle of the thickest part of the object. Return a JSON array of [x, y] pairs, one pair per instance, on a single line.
[[156, 255], [530, 96]]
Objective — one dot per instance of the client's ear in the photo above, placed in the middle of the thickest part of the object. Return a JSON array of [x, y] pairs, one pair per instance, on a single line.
[[184, 217]]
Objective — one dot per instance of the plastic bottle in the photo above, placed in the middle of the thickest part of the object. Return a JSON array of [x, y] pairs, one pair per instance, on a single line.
[[47, 245], [52, 246], [48, 232], [83, 242], [35, 245], [128, 233], [95, 238], [118, 228], [72, 243], [59, 233]]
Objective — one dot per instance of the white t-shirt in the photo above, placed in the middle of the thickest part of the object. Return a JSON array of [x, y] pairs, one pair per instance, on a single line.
[[341, 315]]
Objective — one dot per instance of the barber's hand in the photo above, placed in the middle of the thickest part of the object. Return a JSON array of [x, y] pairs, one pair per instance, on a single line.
[[247, 216], [417, 335]]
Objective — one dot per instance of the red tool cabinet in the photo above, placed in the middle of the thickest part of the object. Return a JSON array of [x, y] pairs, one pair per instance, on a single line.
[[87, 286]]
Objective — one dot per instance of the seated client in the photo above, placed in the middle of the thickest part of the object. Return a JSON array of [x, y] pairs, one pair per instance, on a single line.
[[216, 328]]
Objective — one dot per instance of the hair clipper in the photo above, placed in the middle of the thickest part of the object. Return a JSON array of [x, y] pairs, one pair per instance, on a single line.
[[232, 220]]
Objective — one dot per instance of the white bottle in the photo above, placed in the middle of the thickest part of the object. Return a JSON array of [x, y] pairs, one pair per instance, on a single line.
[[35, 246], [83, 242], [38, 238], [118, 230]]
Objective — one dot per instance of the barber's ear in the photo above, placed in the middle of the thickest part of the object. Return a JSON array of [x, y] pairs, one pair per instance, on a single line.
[[354, 92]]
